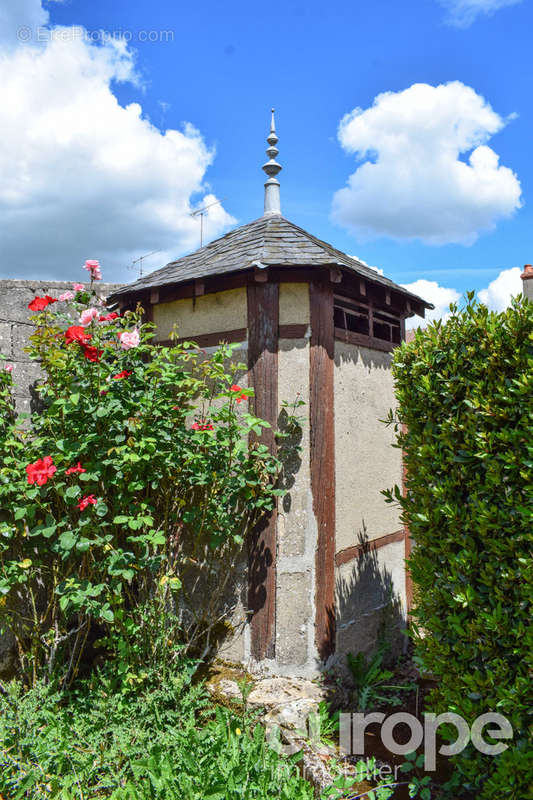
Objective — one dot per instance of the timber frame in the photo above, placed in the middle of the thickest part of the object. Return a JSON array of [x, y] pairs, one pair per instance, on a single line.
[[343, 307]]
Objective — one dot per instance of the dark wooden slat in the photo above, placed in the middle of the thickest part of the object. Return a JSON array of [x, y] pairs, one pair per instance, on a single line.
[[350, 553], [212, 339], [351, 337], [293, 331], [263, 330], [322, 458], [148, 309]]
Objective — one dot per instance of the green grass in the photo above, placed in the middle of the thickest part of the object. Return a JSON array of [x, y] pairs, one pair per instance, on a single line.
[[107, 740]]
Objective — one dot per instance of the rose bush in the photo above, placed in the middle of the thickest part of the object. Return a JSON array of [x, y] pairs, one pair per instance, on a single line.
[[131, 487]]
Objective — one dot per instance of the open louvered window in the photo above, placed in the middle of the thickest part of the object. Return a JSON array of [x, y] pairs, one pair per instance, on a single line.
[[363, 319]]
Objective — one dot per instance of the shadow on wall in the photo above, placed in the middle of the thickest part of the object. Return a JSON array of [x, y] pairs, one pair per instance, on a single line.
[[369, 610], [371, 359], [289, 455]]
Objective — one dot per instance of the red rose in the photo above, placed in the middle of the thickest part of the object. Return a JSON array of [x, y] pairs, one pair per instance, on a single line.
[[89, 499], [236, 388], [40, 303], [77, 468], [124, 374], [202, 426], [91, 353], [41, 470], [108, 317], [77, 333]]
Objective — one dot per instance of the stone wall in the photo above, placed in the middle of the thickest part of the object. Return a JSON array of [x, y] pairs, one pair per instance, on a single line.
[[15, 328]]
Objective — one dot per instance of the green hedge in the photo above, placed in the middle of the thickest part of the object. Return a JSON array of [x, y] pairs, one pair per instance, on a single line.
[[465, 396]]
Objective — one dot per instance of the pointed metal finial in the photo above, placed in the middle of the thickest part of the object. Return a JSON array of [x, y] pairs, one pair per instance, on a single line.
[[272, 168]]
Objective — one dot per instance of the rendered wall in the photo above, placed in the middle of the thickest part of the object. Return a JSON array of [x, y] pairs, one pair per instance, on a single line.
[[365, 460], [371, 588], [294, 303], [209, 313]]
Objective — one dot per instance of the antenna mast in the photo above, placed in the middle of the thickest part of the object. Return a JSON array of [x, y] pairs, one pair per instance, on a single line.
[[140, 260], [201, 212]]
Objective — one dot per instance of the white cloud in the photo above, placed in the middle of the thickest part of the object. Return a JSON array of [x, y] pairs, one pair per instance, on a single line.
[[427, 171], [361, 261], [497, 295], [462, 13], [20, 20], [439, 296], [82, 176]]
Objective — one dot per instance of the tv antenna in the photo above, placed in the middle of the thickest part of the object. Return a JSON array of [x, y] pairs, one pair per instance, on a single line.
[[201, 212], [140, 260]]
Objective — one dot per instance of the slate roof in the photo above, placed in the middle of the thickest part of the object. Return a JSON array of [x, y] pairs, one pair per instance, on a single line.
[[269, 241]]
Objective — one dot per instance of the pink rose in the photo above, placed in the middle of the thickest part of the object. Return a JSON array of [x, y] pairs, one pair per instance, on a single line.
[[93, 267], [78, 287], [129, 339], [66, 296], [8, 367], [87, 316]]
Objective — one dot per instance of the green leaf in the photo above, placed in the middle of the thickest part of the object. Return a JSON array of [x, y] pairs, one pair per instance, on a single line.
[[67, 540], [72, 492]]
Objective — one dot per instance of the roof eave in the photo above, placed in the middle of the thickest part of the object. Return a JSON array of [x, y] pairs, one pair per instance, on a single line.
[[137, 292]]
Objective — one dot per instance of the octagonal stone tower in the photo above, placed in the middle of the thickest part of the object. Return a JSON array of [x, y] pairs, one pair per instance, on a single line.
[[325, 572]]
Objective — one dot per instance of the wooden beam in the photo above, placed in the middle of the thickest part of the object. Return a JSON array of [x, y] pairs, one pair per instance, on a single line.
[[322, 460], [263, 332], [211, 339], [291, 331], [335, 275], [402, 329], [199, 288], [154, 296], [260, 275], [361, 339], [148, 315]]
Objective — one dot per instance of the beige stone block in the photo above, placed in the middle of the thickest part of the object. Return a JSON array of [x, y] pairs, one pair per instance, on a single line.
[[5, 340], [292, 615]]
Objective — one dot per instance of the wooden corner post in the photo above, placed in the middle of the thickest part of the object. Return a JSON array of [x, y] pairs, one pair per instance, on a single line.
[[322, 458], [263, 325]]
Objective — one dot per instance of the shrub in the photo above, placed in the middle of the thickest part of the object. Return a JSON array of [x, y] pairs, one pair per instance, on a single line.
[[123, 505], [464, 391]]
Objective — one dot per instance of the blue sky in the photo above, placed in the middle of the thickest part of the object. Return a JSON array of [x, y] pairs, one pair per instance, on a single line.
[[219, 68]]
